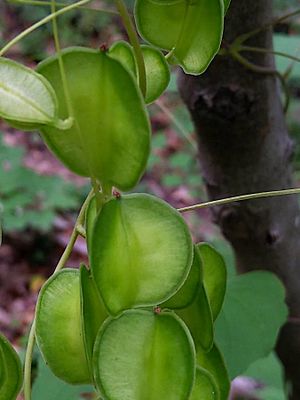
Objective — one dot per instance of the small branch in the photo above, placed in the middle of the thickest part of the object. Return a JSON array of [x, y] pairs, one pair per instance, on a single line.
[[66, 254], [134, 40], [79, 222], [243, 197], [262, 70], [242, 38], [40, 23], [177, 123], [268, 51], [81, 231], [170, 54]]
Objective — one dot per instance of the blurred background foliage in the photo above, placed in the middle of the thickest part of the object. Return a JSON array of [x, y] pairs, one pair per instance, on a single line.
[[39, 198]]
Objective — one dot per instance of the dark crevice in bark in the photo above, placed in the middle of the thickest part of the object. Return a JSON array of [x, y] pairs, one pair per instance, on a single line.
[[244, 147]]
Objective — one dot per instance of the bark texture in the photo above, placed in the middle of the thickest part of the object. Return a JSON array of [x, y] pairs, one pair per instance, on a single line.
[[244, 148]]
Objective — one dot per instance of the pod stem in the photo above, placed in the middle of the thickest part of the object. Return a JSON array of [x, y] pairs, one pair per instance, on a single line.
[[66, 254], [134, 40]]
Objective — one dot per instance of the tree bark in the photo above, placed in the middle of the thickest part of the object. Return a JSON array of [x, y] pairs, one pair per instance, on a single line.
[[244, 148]]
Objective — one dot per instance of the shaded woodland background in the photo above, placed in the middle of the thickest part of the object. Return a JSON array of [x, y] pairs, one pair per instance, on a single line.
[[39, 198]]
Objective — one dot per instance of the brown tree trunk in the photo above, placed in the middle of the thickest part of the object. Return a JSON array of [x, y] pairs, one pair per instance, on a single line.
[[244, 148]]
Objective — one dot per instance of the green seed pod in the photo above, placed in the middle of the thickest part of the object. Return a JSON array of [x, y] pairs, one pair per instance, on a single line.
[[192, 30], [205, 386], [197, 315], [65, 327], [214, 276], [144, 355], [187, 293], [157, 69], [10, 371], [107, 140], [27, 99], [213, 362], [141, 252]]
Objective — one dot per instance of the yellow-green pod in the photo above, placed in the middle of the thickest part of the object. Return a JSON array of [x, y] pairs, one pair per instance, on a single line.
[[192, 30], [213, 362], [205, 386], [157, 68], [144, 355], [187, 293], [110, 136], [141, 252], [214, 276], [10, 371], [65, 326], [27, 99]]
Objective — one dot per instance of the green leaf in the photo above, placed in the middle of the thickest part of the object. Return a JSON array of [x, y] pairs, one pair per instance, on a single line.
[[248, 325], [10, 371], [205, 386], [30, 199], [214, 276], [93, 312], [157, 69], [191, 30], [25, 96], [213, 362], [171, 180], [48, 387], [187, 293], [110, 137], [142, 355], [141, 252], [268, 371], [287, 44], [59, 327], [183, 161]]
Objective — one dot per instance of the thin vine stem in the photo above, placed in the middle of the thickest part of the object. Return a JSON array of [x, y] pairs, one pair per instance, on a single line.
[[61, 4], [135, 42], [61, 263], [40, 23], [28, 362], [60, 62], [268, 51], [243, 197], [79, 222], [242, 38], [177, 123], [98, 195]]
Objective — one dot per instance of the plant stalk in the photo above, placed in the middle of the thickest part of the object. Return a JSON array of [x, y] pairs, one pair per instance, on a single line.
[[60, 62], [65, 256], [134, 40]]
